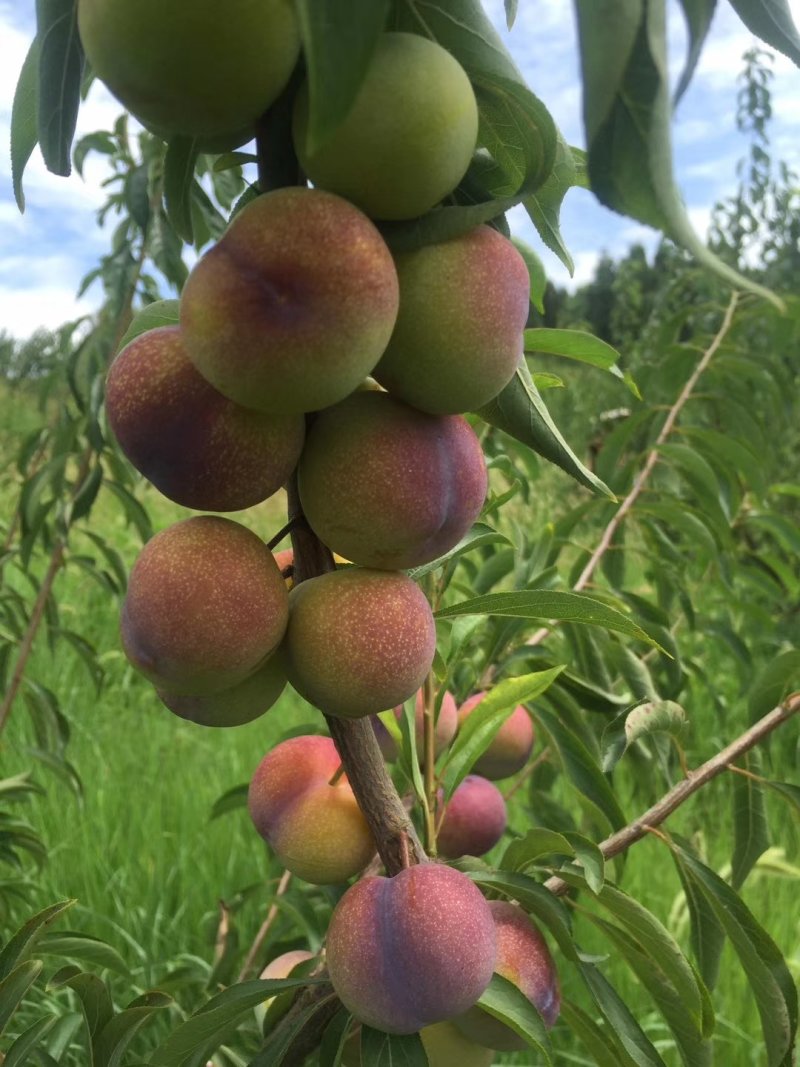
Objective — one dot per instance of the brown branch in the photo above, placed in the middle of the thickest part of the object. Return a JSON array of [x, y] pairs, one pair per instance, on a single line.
[[660, 811], [643, 476], [265, 927]]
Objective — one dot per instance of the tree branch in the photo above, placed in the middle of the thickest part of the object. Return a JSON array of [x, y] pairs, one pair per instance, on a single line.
[[660, 812]]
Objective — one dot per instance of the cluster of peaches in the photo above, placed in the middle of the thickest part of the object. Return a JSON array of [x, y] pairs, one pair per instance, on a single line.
[[305, 349]]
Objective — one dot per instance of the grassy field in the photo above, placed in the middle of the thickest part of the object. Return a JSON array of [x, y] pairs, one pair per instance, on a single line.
[[149, 869]]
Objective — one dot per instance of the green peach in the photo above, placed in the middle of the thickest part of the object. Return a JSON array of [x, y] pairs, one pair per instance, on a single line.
[[408, 138]]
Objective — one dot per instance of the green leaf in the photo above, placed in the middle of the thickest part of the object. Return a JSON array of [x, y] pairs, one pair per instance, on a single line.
[[231, 800], [506, 1002], [207, 1027], [581, 768], [22, 941], [480, 534], [536, 273], [113, 1040], [481, 725], [14, 987], [517, 131], [731, 453], [134, 512], [60, 73], [27, 1041], [151, 317], [771, 20], [578, 345], [628, 1031], [338, 43], [511, 12], [604, 1049], [544, 206], [95, 1000], [655, 717], [334, 1039], [519, 411], [179, 164], [698, 15], [750, 826], [540, 841], [548, 605], [86, 494], [281, 1039], [24, 135], [773, 987], [774, 683], [627, 116], [83, 947], [391, 1050], [533, 898]]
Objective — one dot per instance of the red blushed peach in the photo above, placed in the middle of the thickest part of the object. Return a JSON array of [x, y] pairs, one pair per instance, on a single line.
[[524, 959], [474, 820], [315, 829], [412, 950], [197, 447], [293, 307], [388, 486], [281, 967], [205, 607], [446, 726], [359, 641], [232, 707], [511, 747]]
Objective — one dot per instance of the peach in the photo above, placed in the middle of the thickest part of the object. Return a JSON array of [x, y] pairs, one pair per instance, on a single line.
[[315, 829], [281, 967], [388, 486], [444, 1044], [524, 959], [412, 950], [235, 706], [358, 641], [409, 136], [511, 745], [206, 606], [294, 305], [458, 338], [445, 731], [474, 819], [197, 447]]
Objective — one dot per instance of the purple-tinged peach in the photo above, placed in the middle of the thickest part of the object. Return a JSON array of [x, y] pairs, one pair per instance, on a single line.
[[315, 828], [388, 486], [445, 731], [412, 950], [524, 959], [511, 746], [206, 606], [236, 706], [196, 446], [294, 305], [358, 641], [458, 338], [474, 820]]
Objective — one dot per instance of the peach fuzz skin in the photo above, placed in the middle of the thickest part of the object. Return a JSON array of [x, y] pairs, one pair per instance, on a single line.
[[474, 820], [198, 448], [293, 307], [315, 829], [511, 746], [524, 959], [388, 486], [205, 606], [415, 949]]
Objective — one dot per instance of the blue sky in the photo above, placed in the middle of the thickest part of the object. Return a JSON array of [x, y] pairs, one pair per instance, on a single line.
[[44, 253]]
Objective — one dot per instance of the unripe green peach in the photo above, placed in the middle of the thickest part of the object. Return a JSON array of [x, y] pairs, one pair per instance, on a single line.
[[197, 447], [524, 959], [236, 706], [388, 486], [206, 606], [190, 68], [408, 138], [474, 819], [459, 334], [511, 746], [412, 950], [294, 305], [445, 731], [358, 641], [315, 829]]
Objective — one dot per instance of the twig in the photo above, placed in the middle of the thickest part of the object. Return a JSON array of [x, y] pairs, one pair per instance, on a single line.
[[660, 811], [279, 536], [265, 927], [643, 476]]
